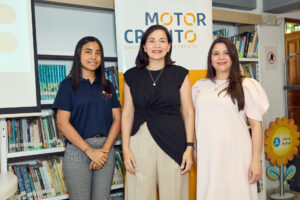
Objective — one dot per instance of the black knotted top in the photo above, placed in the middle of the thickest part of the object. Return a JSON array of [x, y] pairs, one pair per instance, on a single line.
[[159, 106]]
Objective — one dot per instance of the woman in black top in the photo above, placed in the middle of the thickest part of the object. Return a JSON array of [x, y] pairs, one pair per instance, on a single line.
[[157, 142]]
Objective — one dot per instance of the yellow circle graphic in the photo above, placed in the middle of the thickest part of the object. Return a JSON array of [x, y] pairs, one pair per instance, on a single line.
[[185, 19], [162, 19], [191, 40], [7, 14], [281, 141], [8, 42]]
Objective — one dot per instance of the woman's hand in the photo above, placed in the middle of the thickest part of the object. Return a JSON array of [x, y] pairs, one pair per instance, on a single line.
[[187, 160], [94, 166], [255, 171], [129, 161], [98, 157]]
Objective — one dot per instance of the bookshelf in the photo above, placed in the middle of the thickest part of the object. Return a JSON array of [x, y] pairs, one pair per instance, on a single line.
[[35, 152], [60, 197], [116, 187], [248, 59], [31, 157]]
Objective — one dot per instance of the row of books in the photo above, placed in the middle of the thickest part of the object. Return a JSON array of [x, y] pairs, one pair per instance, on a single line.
[[118, 173], [41, 180], [44, 178], [221, 33], [249, 70], [50, 76], [111, 74], [33, 133], [246, 43]]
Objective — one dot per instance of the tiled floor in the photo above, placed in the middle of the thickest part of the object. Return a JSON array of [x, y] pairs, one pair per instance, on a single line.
[[297, 195]]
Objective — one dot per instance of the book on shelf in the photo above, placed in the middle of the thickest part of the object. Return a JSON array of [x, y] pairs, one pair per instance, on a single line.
[[111, 74], [221, 33], [118, 172], [21, 186], [33, 133], [117, 178], [248, 70], [40, 180], [119, 160], [246, 43], [50, 77], [259, 185]]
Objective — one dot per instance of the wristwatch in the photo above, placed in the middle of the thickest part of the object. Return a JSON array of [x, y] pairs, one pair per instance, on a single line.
[[192, 144]]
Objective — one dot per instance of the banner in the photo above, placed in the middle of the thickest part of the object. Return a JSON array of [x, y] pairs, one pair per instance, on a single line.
[[189, 23]]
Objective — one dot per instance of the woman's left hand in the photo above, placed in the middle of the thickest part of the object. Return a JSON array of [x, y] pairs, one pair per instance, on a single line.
[[187, 160], [255, 171]]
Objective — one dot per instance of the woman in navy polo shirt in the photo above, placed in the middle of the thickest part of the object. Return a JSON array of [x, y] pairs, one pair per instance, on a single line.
[[88, 114]]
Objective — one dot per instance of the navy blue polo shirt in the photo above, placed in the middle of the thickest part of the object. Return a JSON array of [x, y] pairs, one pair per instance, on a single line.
[[90, 106]]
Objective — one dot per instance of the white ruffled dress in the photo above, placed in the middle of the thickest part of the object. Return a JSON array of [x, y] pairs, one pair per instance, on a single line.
[[224, 148]]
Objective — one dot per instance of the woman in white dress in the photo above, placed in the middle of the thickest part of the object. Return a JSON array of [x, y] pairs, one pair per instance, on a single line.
[[228, 157]]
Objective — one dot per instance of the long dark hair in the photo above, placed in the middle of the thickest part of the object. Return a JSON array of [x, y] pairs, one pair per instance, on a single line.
[[142, 59], [235, 88], [75, 72]]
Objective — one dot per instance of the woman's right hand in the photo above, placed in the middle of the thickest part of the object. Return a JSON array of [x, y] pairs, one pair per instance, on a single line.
[[97, 156], [129, 161]]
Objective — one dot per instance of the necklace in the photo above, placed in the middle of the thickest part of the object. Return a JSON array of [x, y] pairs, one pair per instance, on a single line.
[[217, 87], [155, 81]]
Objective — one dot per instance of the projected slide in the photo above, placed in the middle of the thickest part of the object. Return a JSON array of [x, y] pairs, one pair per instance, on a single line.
[[15, 35]]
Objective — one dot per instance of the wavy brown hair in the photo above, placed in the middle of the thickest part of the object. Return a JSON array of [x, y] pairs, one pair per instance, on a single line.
[[235, 88]]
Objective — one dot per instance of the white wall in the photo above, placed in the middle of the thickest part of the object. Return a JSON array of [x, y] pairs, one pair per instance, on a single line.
[[273, 77]]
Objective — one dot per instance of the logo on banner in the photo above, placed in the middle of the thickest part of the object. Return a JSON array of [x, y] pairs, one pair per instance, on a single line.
[[180, 25], [281, 141]]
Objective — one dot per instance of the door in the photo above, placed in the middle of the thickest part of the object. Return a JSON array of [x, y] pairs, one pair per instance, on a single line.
[[292, 46]]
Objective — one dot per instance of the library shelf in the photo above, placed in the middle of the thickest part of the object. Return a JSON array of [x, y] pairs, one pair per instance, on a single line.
[[35, 152], [47, 102], [65, 196], [23, 115], [248, 59], [115, 187], [118, 142]]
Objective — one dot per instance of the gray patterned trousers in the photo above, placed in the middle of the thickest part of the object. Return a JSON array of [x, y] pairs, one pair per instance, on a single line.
[[85, 184]]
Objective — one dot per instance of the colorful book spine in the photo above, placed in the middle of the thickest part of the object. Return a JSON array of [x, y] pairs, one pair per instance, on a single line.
[[40, 180], [26, 183], [14, 136], [46, 181], [47, 133], [10, 137], [21, 185]]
